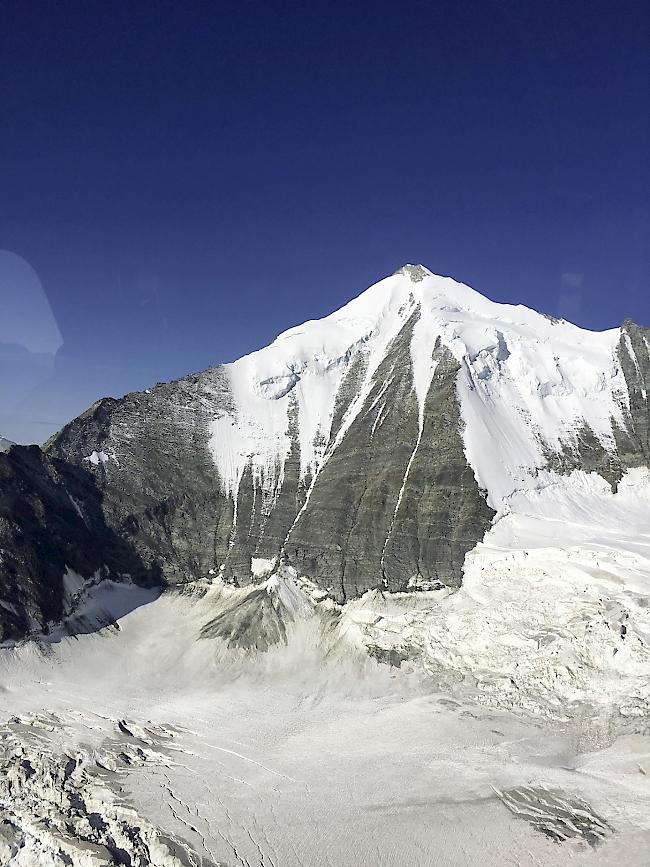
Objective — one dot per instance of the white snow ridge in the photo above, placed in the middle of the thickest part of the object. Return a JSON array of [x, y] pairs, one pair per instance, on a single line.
[[505, 721]]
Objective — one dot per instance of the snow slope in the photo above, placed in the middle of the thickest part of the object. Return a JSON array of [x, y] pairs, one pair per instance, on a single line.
[[144, 738], [527, 382]]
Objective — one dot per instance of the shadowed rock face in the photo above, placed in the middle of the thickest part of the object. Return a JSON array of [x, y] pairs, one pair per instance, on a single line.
[[51, 521], [159, 485]]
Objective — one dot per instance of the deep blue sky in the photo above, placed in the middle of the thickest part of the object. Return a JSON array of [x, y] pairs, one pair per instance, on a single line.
[[188, 179]]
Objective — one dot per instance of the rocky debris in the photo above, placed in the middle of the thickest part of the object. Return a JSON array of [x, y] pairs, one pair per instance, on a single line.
[[259, 617], [559, 816]]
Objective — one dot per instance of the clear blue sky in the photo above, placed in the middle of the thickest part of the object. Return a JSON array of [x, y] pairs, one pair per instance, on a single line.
[[184, 180]]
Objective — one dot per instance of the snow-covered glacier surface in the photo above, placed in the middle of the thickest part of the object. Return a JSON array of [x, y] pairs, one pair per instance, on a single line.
[[164, 741]]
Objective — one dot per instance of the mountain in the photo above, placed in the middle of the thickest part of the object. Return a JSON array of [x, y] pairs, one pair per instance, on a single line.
[[370, 449], [375, 594]]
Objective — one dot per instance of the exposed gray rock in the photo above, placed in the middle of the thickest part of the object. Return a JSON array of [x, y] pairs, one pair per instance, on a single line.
[[51, 521], [557, 815], [442, 514], [417, 273], [632, 440], [586, 452], [386, 507], [263, 521], [390, 506], [159, 485], [339, 539], [634, 355]]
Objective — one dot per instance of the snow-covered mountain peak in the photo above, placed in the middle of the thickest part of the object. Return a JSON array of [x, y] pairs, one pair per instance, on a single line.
[[374, 317], [526, 382], [375, 446]]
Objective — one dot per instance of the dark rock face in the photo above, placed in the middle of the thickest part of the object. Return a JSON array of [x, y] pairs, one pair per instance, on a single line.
[[442, 513], [587, 453], [389, 505], [263, 521], [159, 485], [51, 520], [339, 539], [386, 507]]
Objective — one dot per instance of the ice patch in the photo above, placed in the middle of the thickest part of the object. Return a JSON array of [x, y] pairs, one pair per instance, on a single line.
[[97, 458], [262, 566]]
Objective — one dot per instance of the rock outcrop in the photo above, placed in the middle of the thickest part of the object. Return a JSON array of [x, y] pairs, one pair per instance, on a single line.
[[52, 525]]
